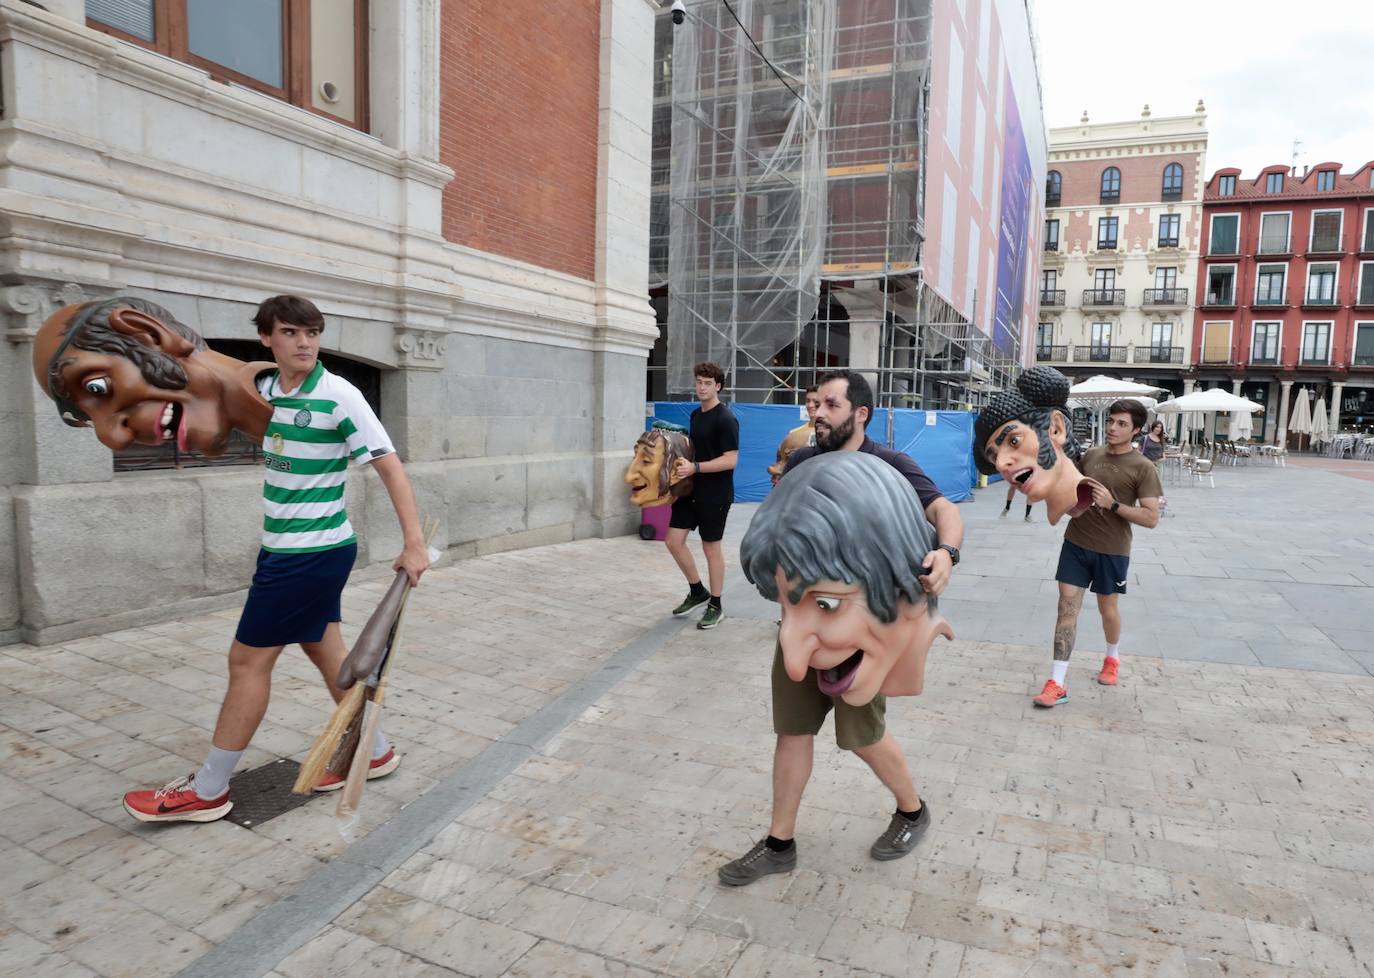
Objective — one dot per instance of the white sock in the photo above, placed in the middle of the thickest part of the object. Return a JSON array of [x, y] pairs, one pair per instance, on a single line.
[[380, 745], [212, 780], [1061, 669], [1114, 651]]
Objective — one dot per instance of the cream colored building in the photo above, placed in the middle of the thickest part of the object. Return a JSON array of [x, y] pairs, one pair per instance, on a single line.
[[1123, 221]]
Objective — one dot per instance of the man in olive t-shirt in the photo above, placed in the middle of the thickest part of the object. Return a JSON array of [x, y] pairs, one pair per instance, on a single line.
[[1097, 545]]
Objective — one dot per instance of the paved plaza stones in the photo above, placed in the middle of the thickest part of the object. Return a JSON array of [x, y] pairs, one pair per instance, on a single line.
[[576, 768]]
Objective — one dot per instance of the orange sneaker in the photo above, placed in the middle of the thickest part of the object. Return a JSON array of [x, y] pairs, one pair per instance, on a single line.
[[1052, 695], [176, 802], [379, 767], [1110, 666]]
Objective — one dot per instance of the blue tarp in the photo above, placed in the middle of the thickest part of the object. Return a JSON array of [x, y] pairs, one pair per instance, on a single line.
[[939, 441]]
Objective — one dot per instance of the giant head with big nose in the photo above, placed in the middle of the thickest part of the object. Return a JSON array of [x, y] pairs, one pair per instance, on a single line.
[[839, 545], [127, 368]]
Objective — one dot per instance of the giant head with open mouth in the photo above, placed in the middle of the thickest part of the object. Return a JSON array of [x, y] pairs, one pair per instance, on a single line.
[[127, 368], [839, 545], [1024, 436], [650, 473]]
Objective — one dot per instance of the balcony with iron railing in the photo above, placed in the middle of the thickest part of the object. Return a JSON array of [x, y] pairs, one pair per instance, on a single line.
[[1220, 300], [1165, 297], [1052, 298], [1051, 245], [1362, 359], [1364, 297], [1157, 355], [1104, 298], [1052, 354], [1101, 353], [1216, 356], [1274, 246], [1167, 242], [1314, 360], [1110, 196], [1053, 199], [1259, 358], [1272, 299], [1325, 246], [1321, 299]]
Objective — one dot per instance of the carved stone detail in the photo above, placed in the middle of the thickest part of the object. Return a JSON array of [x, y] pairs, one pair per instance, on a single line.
[[24, 307], [421, 348]]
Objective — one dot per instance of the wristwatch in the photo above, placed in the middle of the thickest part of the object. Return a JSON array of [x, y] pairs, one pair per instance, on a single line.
[[1116, 504], [953, 552]]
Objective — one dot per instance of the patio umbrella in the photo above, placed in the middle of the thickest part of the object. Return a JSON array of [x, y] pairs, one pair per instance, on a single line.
[[1200, 403], [1321, 432], [1098, 393], [1300, 423], [1241, 425]]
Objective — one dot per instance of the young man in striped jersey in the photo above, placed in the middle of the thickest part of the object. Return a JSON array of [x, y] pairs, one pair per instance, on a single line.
[[319, 422]]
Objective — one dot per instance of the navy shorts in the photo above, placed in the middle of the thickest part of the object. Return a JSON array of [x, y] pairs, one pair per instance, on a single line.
[[294, 597], [1101, 573], [709, 518]]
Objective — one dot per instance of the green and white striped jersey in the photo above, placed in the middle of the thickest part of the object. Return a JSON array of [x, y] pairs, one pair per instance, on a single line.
[[314, 432]]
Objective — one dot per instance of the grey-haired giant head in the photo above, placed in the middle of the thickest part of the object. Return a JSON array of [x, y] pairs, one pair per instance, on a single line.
[[839, 544]]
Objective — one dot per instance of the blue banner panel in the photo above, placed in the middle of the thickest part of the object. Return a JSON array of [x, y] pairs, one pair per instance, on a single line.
[[939, 441]]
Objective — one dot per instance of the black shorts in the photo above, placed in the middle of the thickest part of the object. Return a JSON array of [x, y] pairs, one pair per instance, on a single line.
[[294, 597], [689, 514], [1102, 573]]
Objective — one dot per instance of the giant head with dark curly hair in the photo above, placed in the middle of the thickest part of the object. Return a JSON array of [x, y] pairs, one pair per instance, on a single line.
[[1024, 435], [129, 369]]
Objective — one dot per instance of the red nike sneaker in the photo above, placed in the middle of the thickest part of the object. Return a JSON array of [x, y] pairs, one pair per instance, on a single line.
[[176, 802], [378, 767]]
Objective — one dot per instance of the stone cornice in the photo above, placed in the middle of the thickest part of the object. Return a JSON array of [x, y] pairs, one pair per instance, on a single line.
[[148, 71]]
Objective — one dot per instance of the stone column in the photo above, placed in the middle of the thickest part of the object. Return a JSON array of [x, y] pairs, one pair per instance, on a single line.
[[865, 342], [1337, 391], [625, 327], [1285, 388], [1235, 387]]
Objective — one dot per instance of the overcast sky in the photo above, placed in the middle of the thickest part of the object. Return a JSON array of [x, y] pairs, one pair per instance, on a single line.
[[1270, 72]]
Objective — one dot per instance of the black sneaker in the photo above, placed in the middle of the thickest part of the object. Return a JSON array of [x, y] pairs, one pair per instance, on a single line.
[[757, 863], [902, 835], [711, 618], [690, 602]]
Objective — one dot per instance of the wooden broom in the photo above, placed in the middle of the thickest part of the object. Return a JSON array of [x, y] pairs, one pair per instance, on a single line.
[[336, 747]]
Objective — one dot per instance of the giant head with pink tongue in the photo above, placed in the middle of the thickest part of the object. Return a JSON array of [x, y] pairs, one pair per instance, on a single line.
[[839, 543], [129, 369], [1024, 436]]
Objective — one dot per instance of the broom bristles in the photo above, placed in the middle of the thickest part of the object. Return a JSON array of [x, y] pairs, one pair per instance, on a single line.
[[327, 744], [330, 752]]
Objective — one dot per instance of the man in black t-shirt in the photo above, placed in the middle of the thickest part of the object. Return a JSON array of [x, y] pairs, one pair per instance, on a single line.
[[800, 708], [714, 433]]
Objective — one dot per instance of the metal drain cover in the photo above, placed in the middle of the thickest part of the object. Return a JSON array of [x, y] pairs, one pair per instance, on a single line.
[[264, 793]]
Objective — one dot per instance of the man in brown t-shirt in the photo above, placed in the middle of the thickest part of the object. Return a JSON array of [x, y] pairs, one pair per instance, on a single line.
[[1097, 545]]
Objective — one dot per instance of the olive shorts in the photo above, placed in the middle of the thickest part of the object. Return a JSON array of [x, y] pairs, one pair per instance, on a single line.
[[799, 709]]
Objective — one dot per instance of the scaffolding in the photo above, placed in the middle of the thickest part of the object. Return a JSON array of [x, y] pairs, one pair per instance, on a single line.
[[787, 226]]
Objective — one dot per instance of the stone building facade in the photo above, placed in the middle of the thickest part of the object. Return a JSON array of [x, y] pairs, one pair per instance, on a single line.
[[469, 211], [1123, 221]]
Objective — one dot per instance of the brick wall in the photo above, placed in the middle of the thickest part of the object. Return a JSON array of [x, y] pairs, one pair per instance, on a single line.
[[1142, 177], [518, 124]]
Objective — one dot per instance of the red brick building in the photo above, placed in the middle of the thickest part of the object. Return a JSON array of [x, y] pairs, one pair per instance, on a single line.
[[1287, 291]]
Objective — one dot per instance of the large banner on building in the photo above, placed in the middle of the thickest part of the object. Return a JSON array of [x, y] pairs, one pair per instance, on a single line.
[[1014, 247]]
